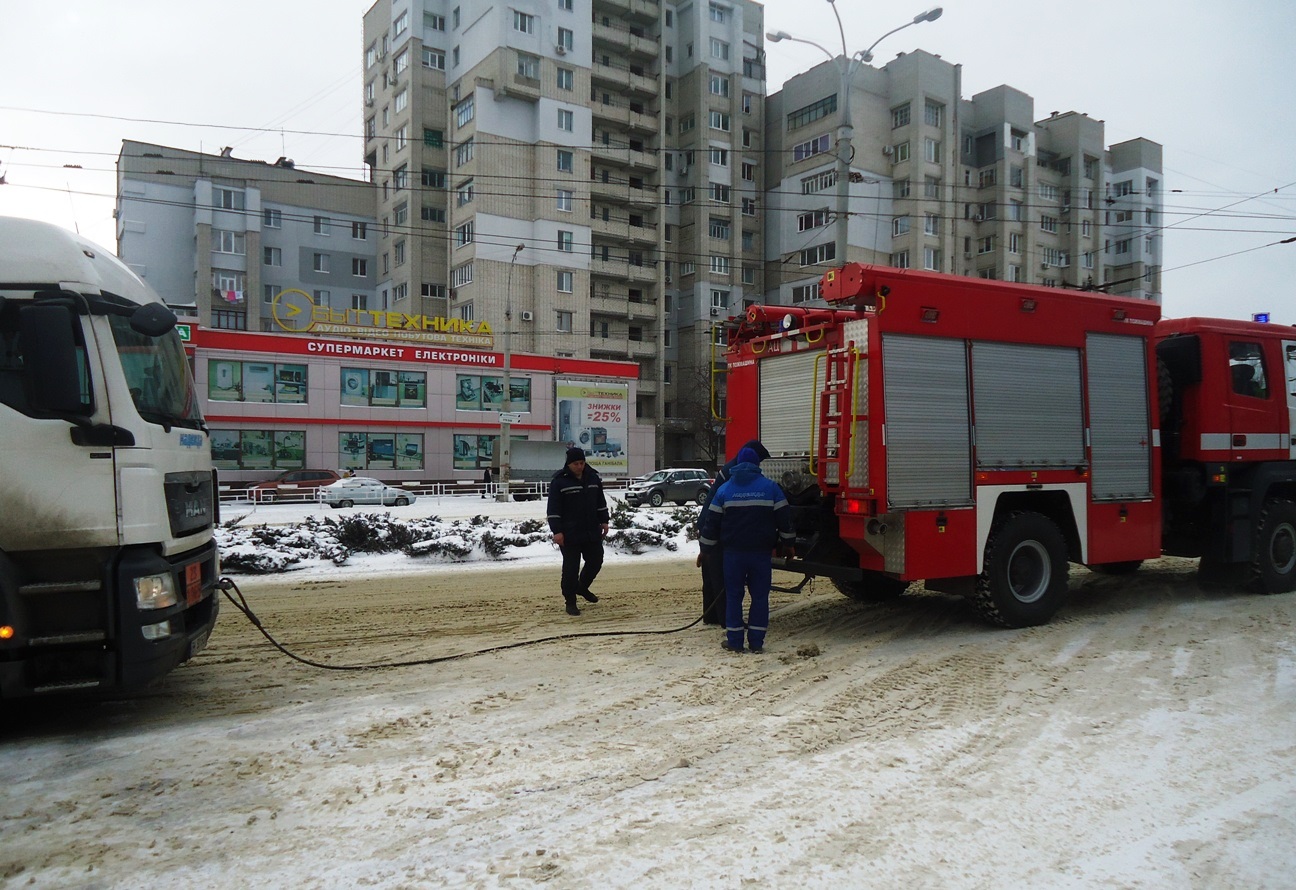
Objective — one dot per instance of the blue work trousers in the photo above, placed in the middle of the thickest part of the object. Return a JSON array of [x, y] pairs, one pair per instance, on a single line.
[[747, 571]]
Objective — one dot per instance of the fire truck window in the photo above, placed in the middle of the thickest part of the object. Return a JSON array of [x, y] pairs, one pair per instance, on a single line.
[[1246, 364]]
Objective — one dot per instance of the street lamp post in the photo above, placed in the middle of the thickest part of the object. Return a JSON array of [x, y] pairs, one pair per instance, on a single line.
[[847, 66], [506, 419]]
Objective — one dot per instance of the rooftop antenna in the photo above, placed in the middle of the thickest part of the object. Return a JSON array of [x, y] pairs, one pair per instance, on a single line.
[[72, 204]]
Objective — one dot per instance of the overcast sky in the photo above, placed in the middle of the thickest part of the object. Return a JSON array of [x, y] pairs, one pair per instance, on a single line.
[[1212, 82]]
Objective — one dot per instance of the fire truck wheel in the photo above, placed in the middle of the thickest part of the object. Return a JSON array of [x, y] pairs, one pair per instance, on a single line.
[[1117, 568], [1024, 580], [874, 588], [1273, 562]]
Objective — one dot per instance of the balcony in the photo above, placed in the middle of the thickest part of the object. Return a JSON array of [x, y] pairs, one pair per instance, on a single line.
[[624, 156], [613, 347], [623, 80], [611, 192], [643, 348], [641, 310], [624, 41], [623, 117], [641, 10]]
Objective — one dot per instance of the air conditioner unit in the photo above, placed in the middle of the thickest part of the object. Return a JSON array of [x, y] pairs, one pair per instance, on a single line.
[[1044, 265], [715, 310], [369, 102], [560, 50], [683, 172], [888, 150], [391, 80], [967, 254], [668, 279], [980, 217], [528, 315]]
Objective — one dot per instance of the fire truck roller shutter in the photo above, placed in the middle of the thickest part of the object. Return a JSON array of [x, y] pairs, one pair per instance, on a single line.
[[928, 437], [1029, 412], [788, 401], [1118, 417]]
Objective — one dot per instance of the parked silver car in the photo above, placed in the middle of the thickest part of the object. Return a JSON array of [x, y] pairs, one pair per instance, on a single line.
[[361, 490], [678, 485]]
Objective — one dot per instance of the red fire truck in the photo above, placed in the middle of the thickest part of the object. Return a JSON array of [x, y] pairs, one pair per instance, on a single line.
[[981, 435]]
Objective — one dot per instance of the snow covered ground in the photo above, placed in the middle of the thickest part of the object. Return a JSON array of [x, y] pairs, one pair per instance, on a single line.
[[1144, 739]]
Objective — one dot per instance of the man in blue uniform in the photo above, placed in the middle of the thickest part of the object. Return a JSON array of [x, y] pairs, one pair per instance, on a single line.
[[578, 518], [748, 516], [712, 564]]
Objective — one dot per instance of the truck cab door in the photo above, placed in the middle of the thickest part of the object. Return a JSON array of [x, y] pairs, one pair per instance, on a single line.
[[1253, 406], [1289, 388]]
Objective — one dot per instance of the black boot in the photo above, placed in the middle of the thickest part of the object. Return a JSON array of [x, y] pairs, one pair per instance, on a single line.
[[571, 608], [589, 597]]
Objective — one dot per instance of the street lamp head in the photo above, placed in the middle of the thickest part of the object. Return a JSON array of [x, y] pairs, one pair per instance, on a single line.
[[930, 15], [518, 249], [776, 36]]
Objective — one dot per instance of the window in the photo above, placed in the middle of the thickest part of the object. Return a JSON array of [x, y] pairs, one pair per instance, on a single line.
[[269, 292], [985, 245], [720, 228], [1012, 272], [464, 112], [565, 200], [400, 177], [1048, 192], [749, 206], [687, 123], [401, 23], [719, 299], [523, 22], [402, 137], [432, 214], [565, 161], [933, 112], [719, 156], [320, 262], [819, 182], [401, 63], [431, 178], [720, 193], [1014, 242], [400, 101], [931, 187], [565, 241], [464, 194], [812, 220], [718, 13], [359, 301], [272, 219], [567, 39], [271, 256], [1246, 365], [720, 121], [748, 171], [464, 234], [1015, 210], [566, 281], [1049, 223], [463, 153], [720, 265], [461, 275], [899, 226], [528, 66], [931, 224], [566, 120], [932, 150], [900, 259], [322, 225], [434, 58], [900, 151], [719, 85], [813, 256], [566, 79], [225, 241], [227, 199], [1123, 188], [1015, 176], [900, 116], [812, 112], [563, 321], [565, 5], [359, 267], [719, 49], [401, 213], [805, 292], [900, 188], [810, 148], [931, 259]]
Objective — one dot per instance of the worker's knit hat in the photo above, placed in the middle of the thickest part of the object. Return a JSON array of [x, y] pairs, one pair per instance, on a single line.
[[748, 456], [575, 454]]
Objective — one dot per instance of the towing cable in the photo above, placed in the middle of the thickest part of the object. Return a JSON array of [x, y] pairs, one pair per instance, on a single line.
[[227, 584]]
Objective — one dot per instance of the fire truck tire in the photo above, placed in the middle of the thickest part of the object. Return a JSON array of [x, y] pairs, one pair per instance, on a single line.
[[1117, 568], [1024, 580], [874, 588], [1273, 561]]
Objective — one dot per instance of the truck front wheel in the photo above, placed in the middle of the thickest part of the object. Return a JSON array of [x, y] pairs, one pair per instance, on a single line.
[[1024, 579], [1273, 559]]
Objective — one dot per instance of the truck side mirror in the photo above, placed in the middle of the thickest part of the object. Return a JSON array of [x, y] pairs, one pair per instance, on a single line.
[[51, 359], [152, 320]]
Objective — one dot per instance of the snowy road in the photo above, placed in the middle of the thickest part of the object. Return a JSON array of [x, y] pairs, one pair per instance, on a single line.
[[1146, 738]]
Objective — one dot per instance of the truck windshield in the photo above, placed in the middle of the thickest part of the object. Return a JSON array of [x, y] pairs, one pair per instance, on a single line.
[[158, 375]]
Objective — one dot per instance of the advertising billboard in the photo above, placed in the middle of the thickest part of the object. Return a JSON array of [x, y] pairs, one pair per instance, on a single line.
[[595, 417]]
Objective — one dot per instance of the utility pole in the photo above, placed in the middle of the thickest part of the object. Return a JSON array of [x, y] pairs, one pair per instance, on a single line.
[[506, 415]]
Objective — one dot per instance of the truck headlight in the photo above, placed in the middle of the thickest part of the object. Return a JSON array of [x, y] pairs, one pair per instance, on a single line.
[[155, 591]]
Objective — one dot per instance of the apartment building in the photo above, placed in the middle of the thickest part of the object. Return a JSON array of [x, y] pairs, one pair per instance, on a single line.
[[977, 187], [587, 168]]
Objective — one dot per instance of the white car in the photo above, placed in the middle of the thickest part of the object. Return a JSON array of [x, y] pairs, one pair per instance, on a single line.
[[360, 490]]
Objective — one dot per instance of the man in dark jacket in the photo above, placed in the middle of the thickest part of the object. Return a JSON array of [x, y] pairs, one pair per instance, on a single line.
[[749, 516], [578, 518], [712, 564]]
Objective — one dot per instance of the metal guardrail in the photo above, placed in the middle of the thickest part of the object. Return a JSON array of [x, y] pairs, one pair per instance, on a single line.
[[287, 495]]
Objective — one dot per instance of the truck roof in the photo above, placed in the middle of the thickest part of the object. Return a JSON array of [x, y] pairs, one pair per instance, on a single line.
[[38, 254], [1228, 326]]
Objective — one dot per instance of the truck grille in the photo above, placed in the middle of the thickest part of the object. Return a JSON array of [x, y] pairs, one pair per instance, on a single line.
[[189, 502]]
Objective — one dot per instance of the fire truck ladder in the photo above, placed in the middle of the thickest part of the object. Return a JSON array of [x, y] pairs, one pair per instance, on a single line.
[[836, 416]]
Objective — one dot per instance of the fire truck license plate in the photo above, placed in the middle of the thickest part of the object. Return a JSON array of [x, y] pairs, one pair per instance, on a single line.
[[193, 582]]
